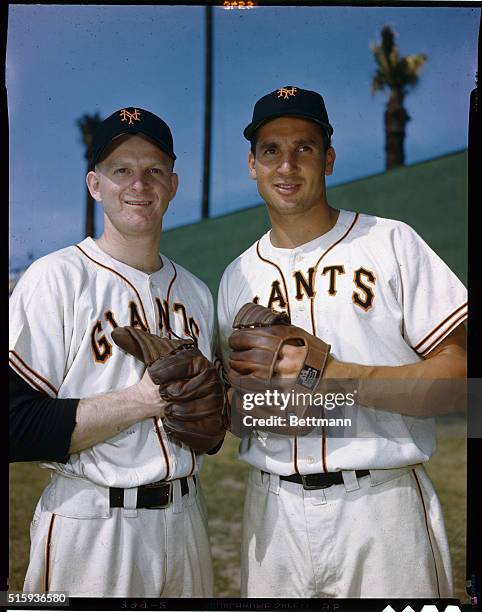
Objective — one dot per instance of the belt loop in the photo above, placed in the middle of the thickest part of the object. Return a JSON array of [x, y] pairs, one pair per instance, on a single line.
[[130, 502], [274, 483], [176, 497], [191, 485], [317, 496], [350, 480]]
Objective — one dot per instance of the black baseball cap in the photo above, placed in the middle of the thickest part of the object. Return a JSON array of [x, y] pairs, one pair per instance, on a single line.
[[131, 120], [289, 101]]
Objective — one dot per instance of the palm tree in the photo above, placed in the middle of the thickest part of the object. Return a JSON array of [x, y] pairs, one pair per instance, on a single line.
[[87, 125], [399, 75]]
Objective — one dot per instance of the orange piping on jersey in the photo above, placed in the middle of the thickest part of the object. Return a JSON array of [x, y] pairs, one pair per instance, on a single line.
[[31, 372], [295, 459], [281, 274], [146, 323], [444, 334], [47, 555], [169, 293], [313, 325], [427, 528], [323, 445], [27, 378], [193, 456], [289, 314], [318, 263], [164, 451], [415, 348]]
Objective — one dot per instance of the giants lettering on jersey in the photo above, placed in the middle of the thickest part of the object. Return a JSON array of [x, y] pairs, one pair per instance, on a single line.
[[102, 348], [362, 296]]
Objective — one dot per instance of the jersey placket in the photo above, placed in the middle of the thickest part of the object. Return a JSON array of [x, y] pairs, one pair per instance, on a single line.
[[307, 450], [152, 291]]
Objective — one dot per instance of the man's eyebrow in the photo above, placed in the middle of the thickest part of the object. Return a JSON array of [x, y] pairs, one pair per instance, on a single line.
[[305, 141], [268, 143], [122, 161], [274, 143]]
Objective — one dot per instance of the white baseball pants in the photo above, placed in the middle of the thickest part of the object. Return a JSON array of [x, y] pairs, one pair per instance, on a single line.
[[128, 553], [380, 536]]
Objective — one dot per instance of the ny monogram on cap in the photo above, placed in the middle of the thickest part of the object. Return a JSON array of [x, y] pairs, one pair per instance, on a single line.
[[131, 117], [286, 92]]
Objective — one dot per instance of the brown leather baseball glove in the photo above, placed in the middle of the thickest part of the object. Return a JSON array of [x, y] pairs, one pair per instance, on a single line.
[[187, 381], [258, 336]]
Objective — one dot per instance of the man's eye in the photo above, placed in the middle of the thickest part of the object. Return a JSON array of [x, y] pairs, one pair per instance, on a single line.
[[270, 151], [120, 171], [154, 171], [303, 148]]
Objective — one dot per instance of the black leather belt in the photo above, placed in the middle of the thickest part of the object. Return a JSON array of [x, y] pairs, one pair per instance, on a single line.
[[153, 496], [320, 481]]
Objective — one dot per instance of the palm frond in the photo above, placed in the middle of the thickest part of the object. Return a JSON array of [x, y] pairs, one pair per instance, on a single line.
[[393, 71]]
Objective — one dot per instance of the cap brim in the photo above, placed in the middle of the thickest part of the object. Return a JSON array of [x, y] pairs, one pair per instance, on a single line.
[[252, 127], [135, 130]]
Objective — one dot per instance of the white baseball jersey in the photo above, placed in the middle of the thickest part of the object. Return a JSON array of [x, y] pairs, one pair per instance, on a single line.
[[62, 313], [375, 291]]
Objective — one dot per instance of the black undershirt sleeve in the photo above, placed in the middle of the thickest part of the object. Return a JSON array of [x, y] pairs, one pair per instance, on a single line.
[[40, 427]]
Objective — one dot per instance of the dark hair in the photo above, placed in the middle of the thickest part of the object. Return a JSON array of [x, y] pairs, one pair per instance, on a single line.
[[326, 140]]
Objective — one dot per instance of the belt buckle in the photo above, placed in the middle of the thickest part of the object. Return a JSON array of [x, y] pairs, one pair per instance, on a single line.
[[169, 495], [308, 487]]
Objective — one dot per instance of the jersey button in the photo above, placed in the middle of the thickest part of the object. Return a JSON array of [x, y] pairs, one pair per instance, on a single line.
[[310, 460]]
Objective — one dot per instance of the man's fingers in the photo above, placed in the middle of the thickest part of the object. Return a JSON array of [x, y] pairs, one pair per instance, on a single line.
[[290, 361]]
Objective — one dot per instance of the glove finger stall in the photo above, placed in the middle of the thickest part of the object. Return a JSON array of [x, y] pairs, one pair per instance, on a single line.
[[205, 383], [181, 365], [255, 315], [261, 337]]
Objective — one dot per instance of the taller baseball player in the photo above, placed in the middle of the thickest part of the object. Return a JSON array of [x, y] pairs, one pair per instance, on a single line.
[[123, 513], [333, 513]]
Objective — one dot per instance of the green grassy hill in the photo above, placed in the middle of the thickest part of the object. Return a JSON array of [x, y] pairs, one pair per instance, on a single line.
[[430, 196]]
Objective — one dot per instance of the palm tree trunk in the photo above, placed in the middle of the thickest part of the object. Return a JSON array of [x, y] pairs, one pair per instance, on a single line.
[[396, 118]]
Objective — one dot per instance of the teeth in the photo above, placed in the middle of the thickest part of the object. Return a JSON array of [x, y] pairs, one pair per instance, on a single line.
[[138, 202]]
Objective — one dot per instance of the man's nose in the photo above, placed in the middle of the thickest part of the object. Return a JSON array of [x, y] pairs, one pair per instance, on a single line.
[[287, 162], [139, 181]]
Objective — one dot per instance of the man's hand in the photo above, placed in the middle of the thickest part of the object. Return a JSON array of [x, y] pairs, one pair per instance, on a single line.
[[187, 381], [147, 392], [104, 416]]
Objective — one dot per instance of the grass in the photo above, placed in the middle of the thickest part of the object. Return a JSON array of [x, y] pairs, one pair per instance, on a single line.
[[224, 479]]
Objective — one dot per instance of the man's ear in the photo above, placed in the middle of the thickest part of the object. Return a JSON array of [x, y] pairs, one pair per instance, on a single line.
[[92, 180], [252, 169], [174, 184], [330, 157]]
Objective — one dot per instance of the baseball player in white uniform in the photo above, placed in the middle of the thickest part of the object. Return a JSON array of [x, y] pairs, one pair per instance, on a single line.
[[123, 514], [328, 514]]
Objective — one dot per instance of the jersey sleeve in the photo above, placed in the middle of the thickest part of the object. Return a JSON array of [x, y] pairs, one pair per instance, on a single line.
[[40, 427], [434, 300], [41, 326], [211, 324], [225, 318]]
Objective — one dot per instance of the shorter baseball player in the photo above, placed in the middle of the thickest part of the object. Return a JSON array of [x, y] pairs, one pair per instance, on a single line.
[[123, 514], [334, 512]]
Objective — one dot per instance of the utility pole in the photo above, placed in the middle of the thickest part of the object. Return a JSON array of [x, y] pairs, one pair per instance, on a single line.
[[208, 91]]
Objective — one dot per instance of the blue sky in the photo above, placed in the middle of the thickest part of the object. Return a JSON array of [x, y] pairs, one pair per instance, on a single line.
[[64, 61]]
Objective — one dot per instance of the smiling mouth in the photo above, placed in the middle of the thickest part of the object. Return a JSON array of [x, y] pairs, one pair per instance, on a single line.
[[286, 188], [142, 203]]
